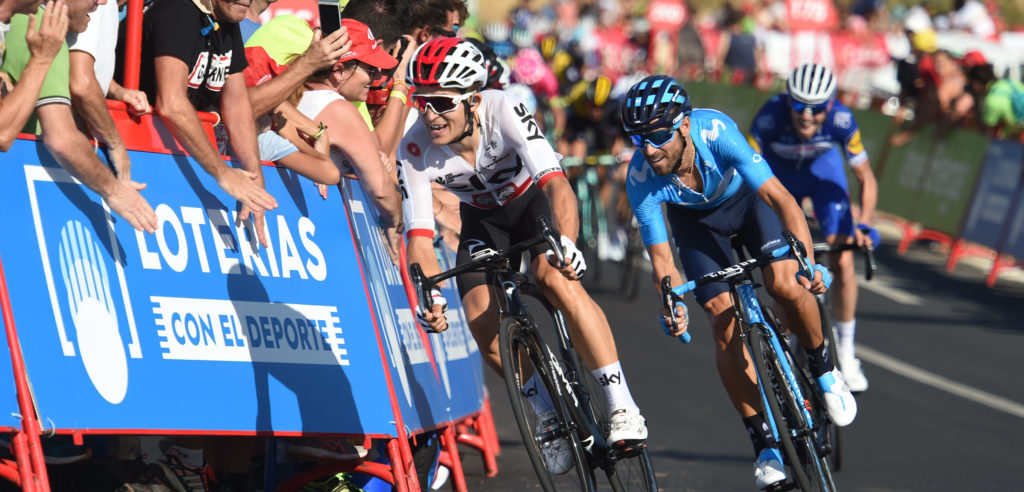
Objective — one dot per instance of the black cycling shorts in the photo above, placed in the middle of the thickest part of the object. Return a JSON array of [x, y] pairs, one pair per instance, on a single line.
[[703, 236], [499, 228]]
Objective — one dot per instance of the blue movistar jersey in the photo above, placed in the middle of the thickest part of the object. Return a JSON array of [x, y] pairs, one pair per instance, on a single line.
[[724, 159], [773, 135]]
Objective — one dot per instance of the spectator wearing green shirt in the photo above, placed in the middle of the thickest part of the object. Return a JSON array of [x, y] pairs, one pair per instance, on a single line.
[[1004, 107], [18, 102], [54, 122]]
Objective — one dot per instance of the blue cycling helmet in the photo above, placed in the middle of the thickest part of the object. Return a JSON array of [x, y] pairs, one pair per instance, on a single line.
[[657, 101]]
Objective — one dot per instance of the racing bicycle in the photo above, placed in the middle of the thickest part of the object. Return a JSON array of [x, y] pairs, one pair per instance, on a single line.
[[582, 419], [794, 405]]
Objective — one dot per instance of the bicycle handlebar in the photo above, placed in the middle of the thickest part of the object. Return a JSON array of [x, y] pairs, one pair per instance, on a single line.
[[485, 259], [869, 255]]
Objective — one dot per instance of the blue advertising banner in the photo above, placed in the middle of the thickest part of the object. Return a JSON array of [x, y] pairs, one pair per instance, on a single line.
[[993, 198], [1014, 244], [195, 327], [434, 383]]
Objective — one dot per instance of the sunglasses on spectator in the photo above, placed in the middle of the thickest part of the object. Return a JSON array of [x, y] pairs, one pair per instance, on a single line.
[[438, 103], [656, 139], [815, 109], [370, 69], [446, 33]]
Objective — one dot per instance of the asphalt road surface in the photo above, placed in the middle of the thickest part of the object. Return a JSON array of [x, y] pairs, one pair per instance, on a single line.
[[944, 411]]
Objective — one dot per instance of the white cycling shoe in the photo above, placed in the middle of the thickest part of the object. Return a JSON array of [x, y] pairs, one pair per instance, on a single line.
[[842, 407], [556, 453], [626, 426], [768, 469], [853, 374]]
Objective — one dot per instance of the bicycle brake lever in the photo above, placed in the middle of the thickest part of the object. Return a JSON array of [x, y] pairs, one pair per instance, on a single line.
[[869, 259], [419, 282], [551, 236], [669, 298]]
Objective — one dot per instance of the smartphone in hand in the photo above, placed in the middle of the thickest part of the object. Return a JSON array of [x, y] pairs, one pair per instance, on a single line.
[[330, 16]]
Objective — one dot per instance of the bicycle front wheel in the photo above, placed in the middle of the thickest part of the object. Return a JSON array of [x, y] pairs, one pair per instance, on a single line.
[[808, 469], [628, 469], [523, 355]]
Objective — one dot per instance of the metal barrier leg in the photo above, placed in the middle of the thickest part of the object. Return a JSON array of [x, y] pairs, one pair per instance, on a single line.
[[451, 449], [404, 472]]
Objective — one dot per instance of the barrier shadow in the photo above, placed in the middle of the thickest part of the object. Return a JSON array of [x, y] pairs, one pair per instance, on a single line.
[[315, 366]]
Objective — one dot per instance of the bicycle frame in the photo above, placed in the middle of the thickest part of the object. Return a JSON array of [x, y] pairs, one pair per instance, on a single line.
[[750, 316], [508, 285]]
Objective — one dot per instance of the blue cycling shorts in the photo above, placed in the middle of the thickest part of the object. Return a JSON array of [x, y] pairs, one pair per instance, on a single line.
[[703, 241], [824, 181]]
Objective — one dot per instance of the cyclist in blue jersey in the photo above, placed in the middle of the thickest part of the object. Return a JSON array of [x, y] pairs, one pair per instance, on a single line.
[[800, 134], [715, 185]]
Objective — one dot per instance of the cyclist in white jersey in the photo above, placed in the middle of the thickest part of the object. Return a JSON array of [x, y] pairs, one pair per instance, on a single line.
[[488, 150]]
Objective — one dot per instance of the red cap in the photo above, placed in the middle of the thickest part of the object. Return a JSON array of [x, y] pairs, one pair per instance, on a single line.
[[973, 59], [365, 47], [262, 66]]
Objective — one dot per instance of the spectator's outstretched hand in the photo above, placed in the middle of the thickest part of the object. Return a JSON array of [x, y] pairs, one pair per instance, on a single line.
[[46, 42], [129, 204], [247, 188], [324, 52], [258, 222]]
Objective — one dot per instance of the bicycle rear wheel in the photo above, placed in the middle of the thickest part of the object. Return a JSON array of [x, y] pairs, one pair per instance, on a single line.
[[522, 355], [833, 433], [630, 469], [631, 264], [808, 468]]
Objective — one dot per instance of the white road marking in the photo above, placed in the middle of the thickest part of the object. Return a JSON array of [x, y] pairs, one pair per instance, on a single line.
[[934, 380], [883, 289]]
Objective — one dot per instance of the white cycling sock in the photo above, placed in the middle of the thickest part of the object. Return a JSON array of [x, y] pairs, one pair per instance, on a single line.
[[537, 395], [613, 380], [846, 329]]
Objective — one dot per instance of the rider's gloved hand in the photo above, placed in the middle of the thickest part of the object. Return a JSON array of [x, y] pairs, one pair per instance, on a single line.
[[871, 233], [809, 283], [434, 320], [573, 257], [682, 319]]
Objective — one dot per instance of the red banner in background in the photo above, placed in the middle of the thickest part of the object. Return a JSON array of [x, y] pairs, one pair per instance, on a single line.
[[811, 15], [859, 51], [303, 9], [667, 15]]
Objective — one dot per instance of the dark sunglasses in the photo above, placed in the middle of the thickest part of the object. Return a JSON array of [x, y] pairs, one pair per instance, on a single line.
[[815, 109], [370, 69], [657, 139], [446, 33], [439, 103]]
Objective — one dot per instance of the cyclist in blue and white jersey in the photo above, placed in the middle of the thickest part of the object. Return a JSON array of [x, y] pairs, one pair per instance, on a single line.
[[800, 134], [715, 185]]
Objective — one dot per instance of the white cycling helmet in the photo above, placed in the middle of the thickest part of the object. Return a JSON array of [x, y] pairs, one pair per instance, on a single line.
[[811, 83], [449, 63]]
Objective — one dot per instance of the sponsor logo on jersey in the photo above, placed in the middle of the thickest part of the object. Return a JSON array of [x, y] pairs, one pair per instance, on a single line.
[[413, 149], [842, 119], [855, 145], [710, 135], [637, 176]]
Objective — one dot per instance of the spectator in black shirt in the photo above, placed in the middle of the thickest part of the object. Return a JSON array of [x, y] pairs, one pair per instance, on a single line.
[[190, 52]]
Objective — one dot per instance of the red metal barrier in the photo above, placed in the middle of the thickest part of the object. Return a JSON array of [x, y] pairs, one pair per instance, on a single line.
[[27, 447]]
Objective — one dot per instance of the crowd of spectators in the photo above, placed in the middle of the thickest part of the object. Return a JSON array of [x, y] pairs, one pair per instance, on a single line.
[[928, 65]]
